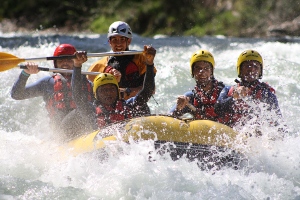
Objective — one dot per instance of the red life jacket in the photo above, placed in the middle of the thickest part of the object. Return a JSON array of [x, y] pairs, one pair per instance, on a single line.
[[205, 103], [107, 114], [241, 108], [61, 100]]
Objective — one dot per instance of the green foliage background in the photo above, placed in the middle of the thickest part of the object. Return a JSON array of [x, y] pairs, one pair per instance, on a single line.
[[239, 18]]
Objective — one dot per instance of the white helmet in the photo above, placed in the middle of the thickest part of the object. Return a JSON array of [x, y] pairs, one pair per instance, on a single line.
[[119, 28]]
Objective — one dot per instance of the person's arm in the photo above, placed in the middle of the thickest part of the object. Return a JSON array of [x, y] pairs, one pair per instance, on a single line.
[[20, 91], [85, 107], [279, 121], [271, 99], [87, 87], [149, 84], [177, 110], [82, 103], [130, 91], [224, 103], [148, 87]]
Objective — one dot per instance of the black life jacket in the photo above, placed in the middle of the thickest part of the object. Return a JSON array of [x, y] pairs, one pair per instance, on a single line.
[[129, 70]]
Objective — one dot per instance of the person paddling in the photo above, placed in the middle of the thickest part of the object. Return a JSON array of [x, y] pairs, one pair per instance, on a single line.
[[201, 100], [55, 90], [131, 67], [249, 101], [109, 106]]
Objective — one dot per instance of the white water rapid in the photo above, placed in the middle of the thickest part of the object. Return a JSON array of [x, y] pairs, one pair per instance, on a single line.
[[31, 167]]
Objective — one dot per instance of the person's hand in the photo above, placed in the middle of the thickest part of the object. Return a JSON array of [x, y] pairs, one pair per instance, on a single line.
[[182, 101], [117, 74], [32, 68], [149, 54], [81, 57], [240, 92]]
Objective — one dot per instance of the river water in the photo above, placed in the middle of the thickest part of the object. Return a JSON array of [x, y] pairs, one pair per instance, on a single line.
[[32, 167]]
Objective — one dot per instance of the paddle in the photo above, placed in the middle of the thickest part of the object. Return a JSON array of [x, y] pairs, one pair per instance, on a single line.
[[9, 61], [188, 116], [58, 70]]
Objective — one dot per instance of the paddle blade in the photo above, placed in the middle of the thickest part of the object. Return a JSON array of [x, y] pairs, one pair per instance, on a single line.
[[8, 61]]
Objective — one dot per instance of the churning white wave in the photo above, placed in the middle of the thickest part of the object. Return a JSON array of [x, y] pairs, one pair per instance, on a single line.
[[33, 167]]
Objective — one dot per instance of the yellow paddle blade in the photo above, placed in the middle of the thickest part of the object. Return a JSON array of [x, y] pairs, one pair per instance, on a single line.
[[8, 61]]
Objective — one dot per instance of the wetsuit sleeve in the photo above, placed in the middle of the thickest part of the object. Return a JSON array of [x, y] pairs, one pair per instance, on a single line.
[[176, 113], [87, 85], [42, 87], [271, 99], [85, 107], [224, 103], [144, 95], [278, 122]]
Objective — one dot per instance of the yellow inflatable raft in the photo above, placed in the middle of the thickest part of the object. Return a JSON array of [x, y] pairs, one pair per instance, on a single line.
[[186, 137]]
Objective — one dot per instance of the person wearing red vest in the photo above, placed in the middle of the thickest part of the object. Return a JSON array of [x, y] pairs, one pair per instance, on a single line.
[[109, 106], [55, 90], [131, 67], [249, 100], [201, 100]]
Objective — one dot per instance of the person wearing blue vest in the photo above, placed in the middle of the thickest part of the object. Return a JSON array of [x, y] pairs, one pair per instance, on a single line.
[[201, 100], [249, 100]]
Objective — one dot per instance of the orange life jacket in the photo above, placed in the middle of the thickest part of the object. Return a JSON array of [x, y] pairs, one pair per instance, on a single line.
[[107, 114]]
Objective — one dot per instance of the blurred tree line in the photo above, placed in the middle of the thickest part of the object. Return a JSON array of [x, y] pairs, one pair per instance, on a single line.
[[247, 18]]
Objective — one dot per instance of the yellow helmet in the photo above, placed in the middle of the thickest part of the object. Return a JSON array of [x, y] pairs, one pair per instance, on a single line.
[[202, 55], [249, 55], [102, 79]]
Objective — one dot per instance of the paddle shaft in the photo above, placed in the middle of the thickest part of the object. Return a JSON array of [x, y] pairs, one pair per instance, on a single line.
[[121, 53], [8, 61], [58, 70]]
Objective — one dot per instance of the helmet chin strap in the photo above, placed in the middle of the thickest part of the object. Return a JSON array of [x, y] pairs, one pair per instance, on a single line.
[[246, 83]]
